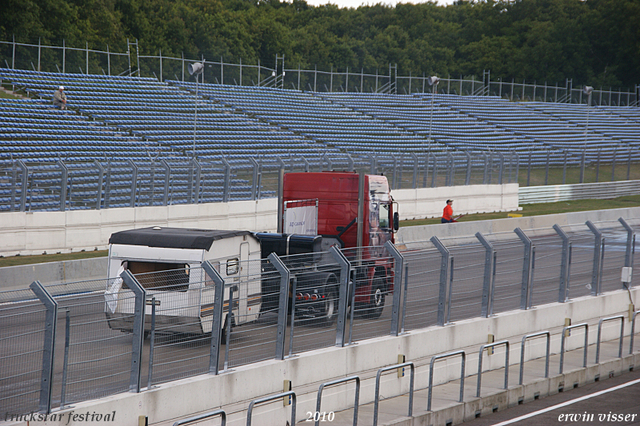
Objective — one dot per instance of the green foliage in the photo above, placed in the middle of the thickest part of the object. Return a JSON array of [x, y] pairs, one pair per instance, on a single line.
[[595, 42]]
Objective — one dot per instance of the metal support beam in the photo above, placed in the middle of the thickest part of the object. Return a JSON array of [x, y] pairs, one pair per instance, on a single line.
[[598, 259], [283, 304], [489, 276], [50, 325], [138, 329], [345, 275], [527, 270], [397, 286], [444, 299], [216, 326], [565, 265]]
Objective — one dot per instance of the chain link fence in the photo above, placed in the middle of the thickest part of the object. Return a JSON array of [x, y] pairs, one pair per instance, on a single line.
[[65, 343]]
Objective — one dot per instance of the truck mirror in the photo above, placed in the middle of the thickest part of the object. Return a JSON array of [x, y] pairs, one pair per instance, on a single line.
[[396, 221]]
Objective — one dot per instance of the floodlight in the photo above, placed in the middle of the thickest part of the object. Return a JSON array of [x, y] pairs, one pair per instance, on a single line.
[[433, 80], [587, 90], [195, 68]]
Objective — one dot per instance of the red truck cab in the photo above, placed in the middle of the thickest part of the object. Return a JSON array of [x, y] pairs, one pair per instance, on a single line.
[[357, 210]]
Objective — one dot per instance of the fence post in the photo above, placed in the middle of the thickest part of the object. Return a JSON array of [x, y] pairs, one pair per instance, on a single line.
[[451, 171], [216, 327], [489, 276], [598, 255], [51, 322], [100, 180], [582, 165], [501, 168], [227, 180], [64, 178], [134, 182], [397, 286], [434, 173], [283, 303], [414, 183], [529, 169], [138, 329], [23, 185], [444, 299], [527, 270], [630, 249], [196, 183], [254, 181], [546, 168], [565, 266], [467, 180], [167, 176], [345, 270]]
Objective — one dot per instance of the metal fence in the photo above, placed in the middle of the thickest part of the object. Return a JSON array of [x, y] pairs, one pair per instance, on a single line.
[[65, 343], [67, 185], [87, 60]]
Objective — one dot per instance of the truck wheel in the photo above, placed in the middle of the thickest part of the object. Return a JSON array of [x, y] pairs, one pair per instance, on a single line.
[[330, 307], [375, 306]]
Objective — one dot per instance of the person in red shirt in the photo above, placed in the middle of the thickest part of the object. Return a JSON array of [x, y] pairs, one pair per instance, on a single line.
[[447, 213]]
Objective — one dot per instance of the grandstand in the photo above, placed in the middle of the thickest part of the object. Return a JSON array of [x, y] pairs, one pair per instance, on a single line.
[[138, 141]]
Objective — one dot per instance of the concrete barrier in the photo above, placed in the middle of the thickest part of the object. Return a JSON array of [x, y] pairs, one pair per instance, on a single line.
[[19, 277], [415, 234], [29, 233], [185, 397]]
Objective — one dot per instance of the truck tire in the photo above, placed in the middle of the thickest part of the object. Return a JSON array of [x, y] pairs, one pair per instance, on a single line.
[[330, 307], [373, 309]]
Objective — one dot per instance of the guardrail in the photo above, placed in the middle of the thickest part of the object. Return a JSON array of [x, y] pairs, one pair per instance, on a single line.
[[546, 362], [356, 401], [586, 343], [506, 364], [377, 392], [603, 320], [443, 356]]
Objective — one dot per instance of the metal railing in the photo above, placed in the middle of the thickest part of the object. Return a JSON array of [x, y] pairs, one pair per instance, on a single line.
[[506, 364], [160, 67], [376, 403], [546, 362], [462, 366]]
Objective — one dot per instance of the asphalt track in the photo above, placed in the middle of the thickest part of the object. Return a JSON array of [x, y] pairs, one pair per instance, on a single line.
[[615, 401]]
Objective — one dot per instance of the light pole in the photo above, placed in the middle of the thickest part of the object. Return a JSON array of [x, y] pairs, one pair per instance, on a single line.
[[587, 90], [195, 69], [433, 81]]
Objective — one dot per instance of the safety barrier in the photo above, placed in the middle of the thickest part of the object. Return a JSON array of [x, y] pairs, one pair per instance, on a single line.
[[377, 395], [602, 321], [633, 329], [586, 343], [259, 401], [433, 360], [546, 363], [506, 364], [356, 401]]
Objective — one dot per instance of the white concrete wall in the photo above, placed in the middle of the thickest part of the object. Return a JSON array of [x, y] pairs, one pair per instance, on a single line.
[[72, 231], [416, 234], [238, 387], [429, 202]]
